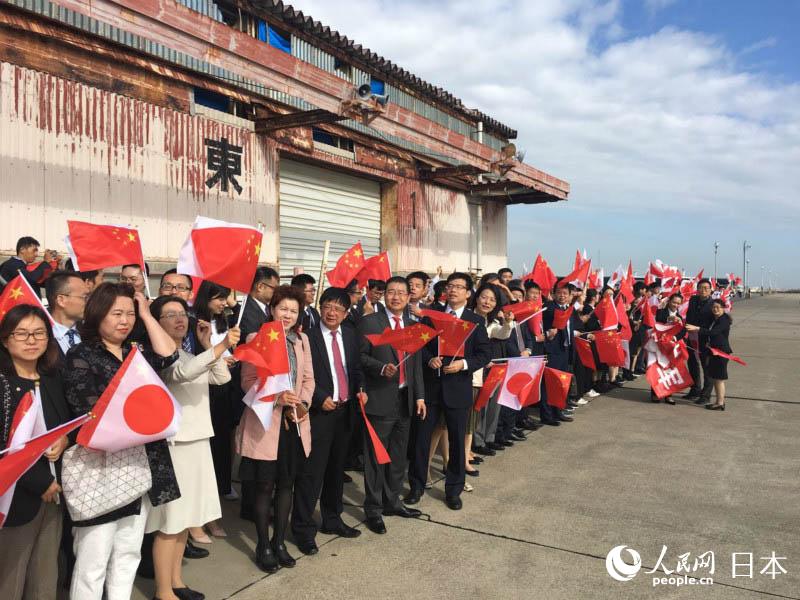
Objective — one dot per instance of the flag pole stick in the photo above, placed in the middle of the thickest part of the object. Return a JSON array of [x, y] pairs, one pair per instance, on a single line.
[[323, 267], [464, 343], [241, 310]]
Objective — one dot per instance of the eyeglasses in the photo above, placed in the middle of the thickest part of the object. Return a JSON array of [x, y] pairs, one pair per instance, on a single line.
[[453, 286], [172, 316], [23, 336], [83, 297], [333, 307], [169, 287]]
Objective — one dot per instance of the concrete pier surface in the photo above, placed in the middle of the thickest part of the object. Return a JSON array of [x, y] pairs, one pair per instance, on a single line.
[[545, 514]]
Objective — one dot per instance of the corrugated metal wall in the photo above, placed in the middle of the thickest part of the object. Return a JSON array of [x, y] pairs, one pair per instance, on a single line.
[[69, 151]]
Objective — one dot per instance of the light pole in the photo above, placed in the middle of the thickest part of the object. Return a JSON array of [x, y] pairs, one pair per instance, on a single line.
[[745, 248], [716, 249], [763, 268]]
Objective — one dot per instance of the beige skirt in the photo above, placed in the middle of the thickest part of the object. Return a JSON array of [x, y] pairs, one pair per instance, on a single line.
[[199, 501]]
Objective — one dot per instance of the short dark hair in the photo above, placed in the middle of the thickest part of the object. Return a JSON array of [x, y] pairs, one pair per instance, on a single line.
[[173, 272], [352, 287], [263, 274], [56, 285], [302, 280], [704, 280], [516, 288], [135, 266], [84, 275], [639, 285], [531, 284], [399, 279], [376, 284], [464, 277], [336, 295], [98, 306], [719, 301], [591, 294], [654, 286], [290, 292], [26, 242], [675, 295], [47, 362], [438, 288], [486, 278], [421, 275], [505, 270], [157, 306]]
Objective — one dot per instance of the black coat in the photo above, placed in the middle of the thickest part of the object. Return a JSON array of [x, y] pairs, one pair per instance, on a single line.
[[699, 312], [12, 267], [455, 390], [29, 489], [252, 318], [662, 316], [383, 392], [323, 377], [310, 323], [716, 334], [557, 344]]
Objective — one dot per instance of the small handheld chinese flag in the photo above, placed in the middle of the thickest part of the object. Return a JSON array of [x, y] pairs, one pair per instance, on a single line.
[[347, 267], [19, 291], [492, 380], [407, 340], [453, 332], [375, 267], [561, 317], [93, 247], [578, 277], [523, 311], [736, 359], [626, 332], [381, 454], [584, 349], [609, 348], [222, 252], [134, 409], [542, 275], [556, 383], [606, 313]]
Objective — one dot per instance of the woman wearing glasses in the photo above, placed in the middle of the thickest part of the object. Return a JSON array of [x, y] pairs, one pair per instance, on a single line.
[[188, 380], [31, 528]]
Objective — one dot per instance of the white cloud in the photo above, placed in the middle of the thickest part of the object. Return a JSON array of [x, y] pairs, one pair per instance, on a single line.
[[667, 119]]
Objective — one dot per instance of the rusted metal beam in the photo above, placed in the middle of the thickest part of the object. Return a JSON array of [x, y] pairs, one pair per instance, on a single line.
[[304, 118], [443, 172]]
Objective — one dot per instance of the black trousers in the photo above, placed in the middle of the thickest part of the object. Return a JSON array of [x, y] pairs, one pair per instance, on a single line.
[[456, 421], [505, 424], [694, 370], [321, 475], [222, 419], [383, 483], [708, 382]]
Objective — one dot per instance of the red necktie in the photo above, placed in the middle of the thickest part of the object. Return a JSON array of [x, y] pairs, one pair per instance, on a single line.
[[400, 355], [341, 375]]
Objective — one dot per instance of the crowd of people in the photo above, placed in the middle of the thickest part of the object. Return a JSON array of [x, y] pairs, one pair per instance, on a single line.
[[417, 404]]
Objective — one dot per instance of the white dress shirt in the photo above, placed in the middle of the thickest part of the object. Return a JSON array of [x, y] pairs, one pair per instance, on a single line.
[[326, 335], [60, 333], [457, 312]]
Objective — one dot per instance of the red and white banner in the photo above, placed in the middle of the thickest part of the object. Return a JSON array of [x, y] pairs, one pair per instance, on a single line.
[[666, 381], [522, 382]]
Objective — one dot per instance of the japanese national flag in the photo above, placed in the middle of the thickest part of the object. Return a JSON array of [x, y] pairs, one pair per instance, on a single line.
[[222, 252], [522, 381], [134, 409], [27, 423], [261, 396]]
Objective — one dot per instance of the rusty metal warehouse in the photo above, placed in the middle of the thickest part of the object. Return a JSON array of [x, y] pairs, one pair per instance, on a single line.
[[146, 113]]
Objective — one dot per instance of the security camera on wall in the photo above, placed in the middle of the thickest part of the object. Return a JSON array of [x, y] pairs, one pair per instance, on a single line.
[[364, 106]]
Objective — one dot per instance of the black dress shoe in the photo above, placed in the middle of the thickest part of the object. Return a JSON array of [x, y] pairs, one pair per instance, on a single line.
[[517, 437], [476, 461], [474, 473], [403, 511], [376, 525], [552, 423], [691, 395], [266, 559], [495, 446], [347, 478], [186, 593], [192, 551], [282, 554], [413, 497], [484, 450], [565, 418], [309, 548], [146, 570], [341, 530], [453, 502], [715, 406], [507, 443], [572, 404]]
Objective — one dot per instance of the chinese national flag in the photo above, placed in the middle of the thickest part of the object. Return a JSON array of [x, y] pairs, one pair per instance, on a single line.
[[222, 252], [267, 352], [716, 352], [375, 267], [542, 275], [626, 332], [19, 291], [584, 350], [407, 340], [561, 317], [579, 276], [381, 455], [523, 311], [648, 314], [14, 465], [494, 378], [609, 348], [557, 385], [666, 381], [347, 267], [134, 409], [93, 247], [606, 313], [649, 278], [453, 332]]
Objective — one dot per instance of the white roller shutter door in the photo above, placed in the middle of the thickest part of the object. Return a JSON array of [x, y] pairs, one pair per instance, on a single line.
[[318, 204]]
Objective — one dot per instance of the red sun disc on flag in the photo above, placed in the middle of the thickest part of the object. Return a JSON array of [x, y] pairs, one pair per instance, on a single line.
[[148, 410], [517, 382]]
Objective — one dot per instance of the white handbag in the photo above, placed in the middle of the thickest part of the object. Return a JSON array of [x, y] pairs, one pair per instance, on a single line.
[[96, 483]]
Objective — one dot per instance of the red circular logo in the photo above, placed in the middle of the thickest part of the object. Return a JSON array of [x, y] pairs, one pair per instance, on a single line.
[[517, 383], [148, 410]]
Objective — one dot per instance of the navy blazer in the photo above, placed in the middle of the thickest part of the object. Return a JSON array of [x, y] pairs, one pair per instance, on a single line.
[[455, 390]]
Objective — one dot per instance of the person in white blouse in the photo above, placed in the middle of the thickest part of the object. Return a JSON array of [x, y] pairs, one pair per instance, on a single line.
[[188, 380], [66, 300]]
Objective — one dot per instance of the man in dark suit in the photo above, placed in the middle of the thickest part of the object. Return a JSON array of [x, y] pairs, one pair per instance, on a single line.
[[336, 356], [699, 314], [27, 251], [395, 394], [306, 284], [448, 390], [66, 301], [558, 345], [371, 301], [418, 291], [256, 306]]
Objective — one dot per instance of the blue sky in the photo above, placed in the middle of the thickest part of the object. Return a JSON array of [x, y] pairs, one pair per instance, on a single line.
[[676, 122]]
